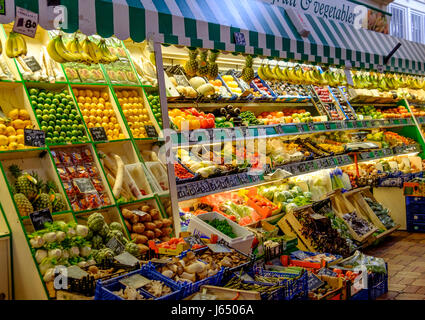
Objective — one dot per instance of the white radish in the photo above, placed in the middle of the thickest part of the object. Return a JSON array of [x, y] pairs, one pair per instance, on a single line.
[[119, 177]]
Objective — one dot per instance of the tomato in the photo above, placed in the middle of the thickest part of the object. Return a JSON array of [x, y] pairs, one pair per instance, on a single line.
[[211, 122], [204, 123]]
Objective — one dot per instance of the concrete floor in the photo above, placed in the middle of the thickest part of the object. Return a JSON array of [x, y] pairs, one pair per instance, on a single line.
[[405, 254]]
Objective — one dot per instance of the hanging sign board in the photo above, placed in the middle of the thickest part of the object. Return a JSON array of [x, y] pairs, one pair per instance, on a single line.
[[26, 22], [239, 38]]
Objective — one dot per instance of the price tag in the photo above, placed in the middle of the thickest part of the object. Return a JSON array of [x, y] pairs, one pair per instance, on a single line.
[[311, 126], [115, 245], [98, 134], [301, 167], [218, 248], [194, 188], [239, 38], [387, 152], [294, 169], [84, 185], [350, 81], [127, 259], [327, 272], [231, 134], [135, 281], [2, 7], [347, 159], [151, 131], [39, 218], [32, 63], [194, 239], [313, 281], [244, 178], [223, 182], [182, 191], [380, 68], [26, 22], [34, 138], [203, 186], [255, 177], [387, 122], [75, 272], [327, 125], [233, 180], [139, 213], [214, 184], [300, 127], [338, 125], [364, 123], [244, 131]]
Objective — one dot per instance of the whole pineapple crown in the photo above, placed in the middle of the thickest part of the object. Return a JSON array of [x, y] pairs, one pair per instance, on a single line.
[[213, 56], [248, 61], [193, 53], [15, 170]]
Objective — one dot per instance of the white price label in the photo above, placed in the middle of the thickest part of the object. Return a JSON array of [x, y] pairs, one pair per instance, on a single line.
[[26, 22]]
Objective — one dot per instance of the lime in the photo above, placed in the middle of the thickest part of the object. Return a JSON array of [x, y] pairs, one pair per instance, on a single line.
[[74, 139], [69, 134], [150, 97], [45, 112], [59, 111], [42, 94], [50, 129], [44, 128], [76, 122], [52, 111], [66, 111], [70, 122], [74, 133], [52, 117], [33, 91], [71, 104], [57, 128], [40, 106], [48, 101], [64, 122], [55, 140], [52, 123], [49, 134], [39, 113], [55, 101], [75, 127], [44, 123], [61, 105], [46, 106], [74, 112], [33, 98], [63, 128], [61, 140], [81, 127], [68, 107], [63, 134], [57, 96], [48, 140], [45, 117], [78, 119], [64, 101], [56, 134], [58, 123], [40, 100], [67, 139], [71, 117], [49, 95]]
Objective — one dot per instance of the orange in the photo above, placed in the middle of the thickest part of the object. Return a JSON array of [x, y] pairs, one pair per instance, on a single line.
[[86, 119], [88, 99], [92, 119], [87, 105], [96, 94], [105, 125], [92, 112], [111, 126], [108, 105], [126, 114], [98, 119], [99, 113], [85, 112], [105, 96], [125, 100], [80, 92], [90, 125], [95, 100], [109, 132], [135, 93], [101, 100], [118, 94], [76, 92], [113, 120], [89, 93], [100, 106], [105, 119], [116, 125], [125, 93], [116, 131], [121, 101], [131, 100], [81, 99]]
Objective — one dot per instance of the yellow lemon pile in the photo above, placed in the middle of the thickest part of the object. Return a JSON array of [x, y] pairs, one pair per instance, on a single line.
[[97, 111], [134, 111], [12, 129]]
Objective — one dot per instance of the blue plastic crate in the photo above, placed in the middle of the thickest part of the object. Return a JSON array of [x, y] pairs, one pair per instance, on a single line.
[[277, 294], [190, 288], [104, 289], [361, 295], [415, 205], [415, 227], [415, 217], [377, 285], [295, 289]]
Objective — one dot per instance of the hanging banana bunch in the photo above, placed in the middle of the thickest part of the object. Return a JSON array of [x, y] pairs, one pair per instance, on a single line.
[[15, 45]]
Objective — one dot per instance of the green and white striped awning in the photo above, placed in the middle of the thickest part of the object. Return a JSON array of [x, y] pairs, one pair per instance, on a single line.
[[211, 23]]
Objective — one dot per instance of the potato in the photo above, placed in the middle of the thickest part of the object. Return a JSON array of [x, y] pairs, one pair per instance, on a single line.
[[158, 223], [149, 234], [155, 214], [145, 208], [146, 218], [158, 232], [150, 225], [142, 248], [141, 239], [166, 231], [127, 214], [139, 228], [133, 236], [134, 219], [128, 225], [166, 223]]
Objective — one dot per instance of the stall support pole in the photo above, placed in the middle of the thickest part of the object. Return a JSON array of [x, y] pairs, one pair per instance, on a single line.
[[167, 136]]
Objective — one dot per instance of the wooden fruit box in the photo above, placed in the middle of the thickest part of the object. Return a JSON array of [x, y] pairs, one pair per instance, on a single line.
[[338, 288], [341, 207], [126, 151], [291, 227], [103, 89], [227, 294], [38, 161]]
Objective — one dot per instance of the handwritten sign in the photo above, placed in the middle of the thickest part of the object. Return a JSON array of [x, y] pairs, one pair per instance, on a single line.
[[127, 259], [39, 218], [34, 138], [26, 22], [98, 134], [115, 245], [135, 281], [32, 64], [151, 131], [84, 185], [313, 282]]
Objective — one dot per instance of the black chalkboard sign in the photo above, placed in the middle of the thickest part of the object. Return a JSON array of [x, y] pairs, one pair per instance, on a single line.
[[151, 132], [313, 282], [194, 239], [115, 245], [39, 218], [34, 138], [327, 272], [84, 185], [32, 64], [98, 134]]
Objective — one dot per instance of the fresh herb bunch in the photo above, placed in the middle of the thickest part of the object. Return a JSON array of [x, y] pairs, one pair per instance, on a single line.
[[223, 226]]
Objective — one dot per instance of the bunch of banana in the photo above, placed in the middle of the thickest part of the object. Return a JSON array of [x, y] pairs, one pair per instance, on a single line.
[[146, 69], [58, 52], [75, 48], [15, 45], [107, 57]]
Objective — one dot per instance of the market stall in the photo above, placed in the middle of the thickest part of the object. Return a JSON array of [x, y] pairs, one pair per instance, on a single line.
[[6, 285], [126, 144]]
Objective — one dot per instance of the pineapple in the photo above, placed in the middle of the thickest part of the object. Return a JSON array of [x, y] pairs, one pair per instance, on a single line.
[[24, 206], [191, 66], [212, 66], [248, 71], [203, 64], [57, 201], [25, 183], [42, 201]]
